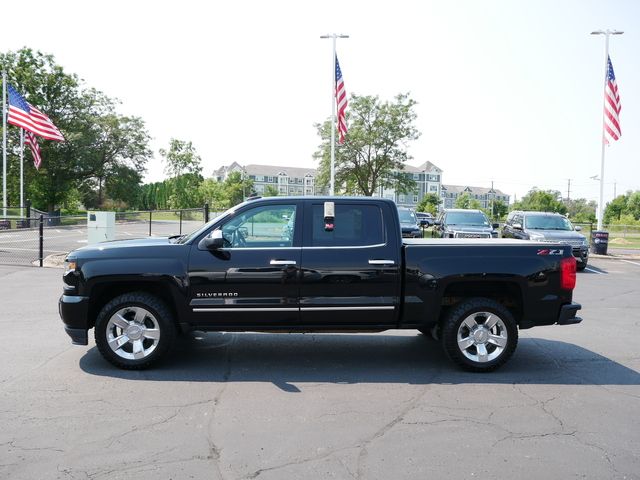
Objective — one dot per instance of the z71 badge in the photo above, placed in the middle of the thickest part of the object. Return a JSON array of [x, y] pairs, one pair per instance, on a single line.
[[550, 251]]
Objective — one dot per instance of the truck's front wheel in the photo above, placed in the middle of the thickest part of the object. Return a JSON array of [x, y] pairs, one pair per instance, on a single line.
[[479, 334], [134, 330]]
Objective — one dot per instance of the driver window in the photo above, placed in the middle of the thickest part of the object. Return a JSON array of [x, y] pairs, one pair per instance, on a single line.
[[261, 227]]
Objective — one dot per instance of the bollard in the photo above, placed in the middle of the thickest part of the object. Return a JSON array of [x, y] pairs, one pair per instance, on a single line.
[[206, 213], [150, 214], [180, 222]]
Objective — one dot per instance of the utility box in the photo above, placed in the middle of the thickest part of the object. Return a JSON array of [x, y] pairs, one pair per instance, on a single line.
[[101, 227]]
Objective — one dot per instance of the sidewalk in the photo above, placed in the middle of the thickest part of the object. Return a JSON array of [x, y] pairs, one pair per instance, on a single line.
[[625, 253]]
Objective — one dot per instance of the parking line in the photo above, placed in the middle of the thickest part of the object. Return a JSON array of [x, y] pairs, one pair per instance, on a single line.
[[629, 261], [594, 271]]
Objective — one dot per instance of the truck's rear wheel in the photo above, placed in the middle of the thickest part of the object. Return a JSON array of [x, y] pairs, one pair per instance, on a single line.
[[479, 334], [134, 330]]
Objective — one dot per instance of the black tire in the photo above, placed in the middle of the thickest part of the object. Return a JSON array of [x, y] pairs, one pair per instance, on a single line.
[[580, 266], [486, 350], [150, 330]]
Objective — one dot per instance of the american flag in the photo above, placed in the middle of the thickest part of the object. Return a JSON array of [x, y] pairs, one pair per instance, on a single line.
[[341, 102], [612, 107], [24, 115], [32, 141]]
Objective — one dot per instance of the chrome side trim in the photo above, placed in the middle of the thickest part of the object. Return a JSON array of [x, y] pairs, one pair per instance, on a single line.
[[283, 309], [247, 309], [311, 309]]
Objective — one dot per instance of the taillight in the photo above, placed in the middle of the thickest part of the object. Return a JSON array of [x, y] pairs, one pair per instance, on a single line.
[[568, 273]]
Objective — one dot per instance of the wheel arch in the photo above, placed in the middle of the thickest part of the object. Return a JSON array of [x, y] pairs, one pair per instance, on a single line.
[[105, 291], [507, 293]]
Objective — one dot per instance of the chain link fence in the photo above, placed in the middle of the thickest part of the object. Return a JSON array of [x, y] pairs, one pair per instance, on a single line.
[[29, 240]]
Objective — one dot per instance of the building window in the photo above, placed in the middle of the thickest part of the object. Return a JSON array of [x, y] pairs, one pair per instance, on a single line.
[[433, 188], [415, 199]]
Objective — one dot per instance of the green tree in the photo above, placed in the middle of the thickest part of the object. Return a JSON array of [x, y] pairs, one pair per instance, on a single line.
[[98, 140], [498, 209], [541, 201], [429, 203], [465, 201], [633, 204], [237, 188], [580, 210], [270, 191], [215, 194], [124, 186], [375, 149], [616, 208], [181, 158], [185, 191]]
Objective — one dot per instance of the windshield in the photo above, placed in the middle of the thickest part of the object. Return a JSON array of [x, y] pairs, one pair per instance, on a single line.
[[195, 233], [407, 216], [547, 222], [467, 218]]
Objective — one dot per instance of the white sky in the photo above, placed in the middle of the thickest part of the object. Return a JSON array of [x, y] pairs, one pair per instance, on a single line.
[[509, 91]]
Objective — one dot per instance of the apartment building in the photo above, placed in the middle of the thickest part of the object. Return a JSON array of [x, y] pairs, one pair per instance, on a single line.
[[301, 181], [286, 180], [450, 193]]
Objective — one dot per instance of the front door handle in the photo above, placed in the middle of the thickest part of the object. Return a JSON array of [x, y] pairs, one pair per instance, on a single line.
[[381, 262], [282, 262]]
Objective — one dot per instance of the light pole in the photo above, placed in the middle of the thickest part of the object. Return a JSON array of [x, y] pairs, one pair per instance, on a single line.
[[606, 34], [333, 36]]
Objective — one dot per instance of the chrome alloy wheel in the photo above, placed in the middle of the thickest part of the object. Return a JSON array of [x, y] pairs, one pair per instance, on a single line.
[[133, 333], [482, 337]]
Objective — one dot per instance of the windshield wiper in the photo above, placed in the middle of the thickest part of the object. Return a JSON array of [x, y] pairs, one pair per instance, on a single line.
[[177, 238]]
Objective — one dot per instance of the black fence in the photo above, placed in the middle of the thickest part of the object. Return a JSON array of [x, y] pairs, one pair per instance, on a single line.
[[30, 240]]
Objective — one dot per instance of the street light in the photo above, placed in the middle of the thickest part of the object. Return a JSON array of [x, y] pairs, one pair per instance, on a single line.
[[606, 34]]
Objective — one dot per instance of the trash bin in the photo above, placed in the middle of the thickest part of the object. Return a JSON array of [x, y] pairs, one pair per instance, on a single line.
[[599, 242]]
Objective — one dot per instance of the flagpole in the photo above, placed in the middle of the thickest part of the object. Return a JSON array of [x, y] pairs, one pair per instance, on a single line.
[[606, 34], [21, 170], [4, 144], [333, 120], [333, 36]]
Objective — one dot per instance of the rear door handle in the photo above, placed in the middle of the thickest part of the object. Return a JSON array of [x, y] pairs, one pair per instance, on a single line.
[[381, 262], [282, 262]]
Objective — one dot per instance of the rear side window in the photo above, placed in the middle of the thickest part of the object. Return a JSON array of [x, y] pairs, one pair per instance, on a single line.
[[354, 225]]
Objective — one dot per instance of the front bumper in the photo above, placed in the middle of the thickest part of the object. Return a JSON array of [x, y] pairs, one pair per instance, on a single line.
[[568, 314], [581, 253], [74, 311]]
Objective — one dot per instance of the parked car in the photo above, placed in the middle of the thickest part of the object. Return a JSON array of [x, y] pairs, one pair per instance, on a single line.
[[548, 227], [462, 223], [425, 219], [344, 268], [409, 223]]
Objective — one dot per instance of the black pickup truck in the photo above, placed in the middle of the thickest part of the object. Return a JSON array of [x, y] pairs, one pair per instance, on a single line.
[[313, 264]]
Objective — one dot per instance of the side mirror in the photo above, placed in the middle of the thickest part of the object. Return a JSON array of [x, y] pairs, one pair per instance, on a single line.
[[495, 225], [213, 241], [437, 222], [423, 223], [578, 228], [517, 226]]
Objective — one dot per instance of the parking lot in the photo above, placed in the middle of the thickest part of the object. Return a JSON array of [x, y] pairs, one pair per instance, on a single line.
[[317, 406]]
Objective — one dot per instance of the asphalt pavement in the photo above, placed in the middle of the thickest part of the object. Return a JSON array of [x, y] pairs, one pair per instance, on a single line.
[[317, 406]]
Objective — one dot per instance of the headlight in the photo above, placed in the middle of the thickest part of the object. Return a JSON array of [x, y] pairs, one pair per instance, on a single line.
[[585, 242], [70, 266]]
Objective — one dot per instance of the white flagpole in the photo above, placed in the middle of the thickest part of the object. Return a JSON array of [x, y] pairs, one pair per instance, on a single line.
[[606, 34], [21, 170], [333, 36], [333, 120], [4, 144]]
